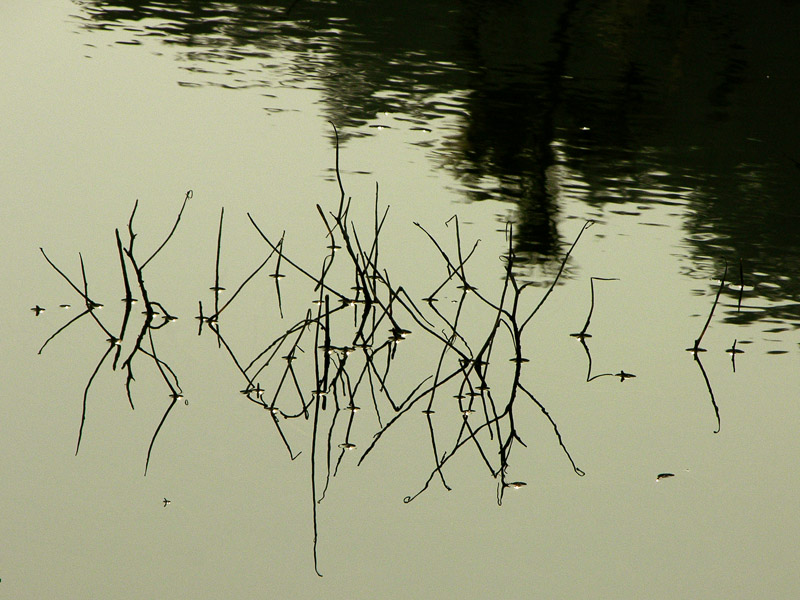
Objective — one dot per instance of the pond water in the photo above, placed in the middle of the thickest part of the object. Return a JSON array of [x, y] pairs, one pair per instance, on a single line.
[[671, 128]]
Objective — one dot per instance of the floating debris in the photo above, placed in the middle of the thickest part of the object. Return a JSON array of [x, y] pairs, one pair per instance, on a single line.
[[250, 389], [695, 349], [734, 350], [623, 375], [398, 334], [516, 484]]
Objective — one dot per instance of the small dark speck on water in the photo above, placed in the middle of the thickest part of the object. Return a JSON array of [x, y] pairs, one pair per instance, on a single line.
[[661, 476]]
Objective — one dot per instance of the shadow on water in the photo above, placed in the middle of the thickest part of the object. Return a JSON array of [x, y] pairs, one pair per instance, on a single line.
[[621, 106]]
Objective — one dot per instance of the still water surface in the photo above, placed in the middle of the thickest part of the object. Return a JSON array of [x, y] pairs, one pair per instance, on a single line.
[[672, 125]]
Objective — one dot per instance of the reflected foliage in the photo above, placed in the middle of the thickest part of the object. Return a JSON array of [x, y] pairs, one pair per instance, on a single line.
[[627, 106]]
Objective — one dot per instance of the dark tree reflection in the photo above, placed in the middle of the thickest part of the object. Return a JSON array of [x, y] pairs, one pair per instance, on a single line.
[[641, 103]]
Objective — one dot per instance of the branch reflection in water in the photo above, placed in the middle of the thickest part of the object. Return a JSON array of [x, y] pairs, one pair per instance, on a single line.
[[349, 345]]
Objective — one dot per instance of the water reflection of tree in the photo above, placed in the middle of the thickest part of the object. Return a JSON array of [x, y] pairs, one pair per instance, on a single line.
[[623, 90]]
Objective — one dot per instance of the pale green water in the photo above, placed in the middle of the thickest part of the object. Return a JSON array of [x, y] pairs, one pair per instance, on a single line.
[[90, 125]]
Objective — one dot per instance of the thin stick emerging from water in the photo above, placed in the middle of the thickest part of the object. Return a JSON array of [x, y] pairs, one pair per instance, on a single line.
[[696, 348], [582, 333], [217, 289], [186, 198]]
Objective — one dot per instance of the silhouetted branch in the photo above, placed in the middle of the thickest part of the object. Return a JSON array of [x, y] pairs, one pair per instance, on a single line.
[[696, 348], [710, 391], [188, 196], [586, 226], [86, 395]]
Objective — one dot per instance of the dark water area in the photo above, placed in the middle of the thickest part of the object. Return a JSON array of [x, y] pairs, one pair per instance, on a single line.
[[622, 105]]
